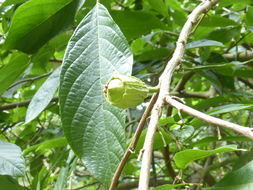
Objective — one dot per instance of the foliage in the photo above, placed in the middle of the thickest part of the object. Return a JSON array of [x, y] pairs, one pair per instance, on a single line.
[[74, 139]]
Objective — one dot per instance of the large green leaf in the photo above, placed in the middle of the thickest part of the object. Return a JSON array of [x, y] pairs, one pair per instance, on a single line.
[[11, 161], [37, 21], [183, 158], [241, 179], [43, 96], [9, 73], [93, 127]]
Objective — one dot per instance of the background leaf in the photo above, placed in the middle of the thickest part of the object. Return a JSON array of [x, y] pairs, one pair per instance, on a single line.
[[183, 158], [203, 43], [92, 126], [11, 161], [241, 179], [43, 96], [37, 21], [229, 108], [10, 72], [136, 23]]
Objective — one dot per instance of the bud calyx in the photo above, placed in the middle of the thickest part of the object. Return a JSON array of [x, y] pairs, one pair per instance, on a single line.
[[126, 91]]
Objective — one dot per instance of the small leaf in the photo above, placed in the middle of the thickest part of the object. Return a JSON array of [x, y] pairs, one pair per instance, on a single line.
[[230, 108], [93, 127], [183, 158], [241, 179], [203, 43], [12, 71], [35, 22], [249, 16], [43, 96], [11, 161]]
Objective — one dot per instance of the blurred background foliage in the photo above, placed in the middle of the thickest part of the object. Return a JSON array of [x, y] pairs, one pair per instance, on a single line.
[[215, 76]]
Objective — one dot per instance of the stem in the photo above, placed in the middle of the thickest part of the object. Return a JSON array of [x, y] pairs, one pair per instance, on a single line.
[[152, 90], [164, 84]]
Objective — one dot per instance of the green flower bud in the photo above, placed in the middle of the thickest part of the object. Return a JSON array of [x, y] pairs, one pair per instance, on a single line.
[[126, 91]]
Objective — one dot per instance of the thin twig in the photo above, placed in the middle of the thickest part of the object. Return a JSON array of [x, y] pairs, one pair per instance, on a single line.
[[30, 79], [20, 104], [164, 84], [244, 56], [183, 81], [133, 143], [245, 131], [166, 155], [246, 82], [197, 25]]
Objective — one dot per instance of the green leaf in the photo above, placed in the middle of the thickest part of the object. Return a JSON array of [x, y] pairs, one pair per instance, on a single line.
[[43, 96], [230, 65], [159, 6], [170, 186], [217, 21], [12, 71], [46, 145], [9, 183], [183, 158], [66, 170], [160, 137], [157, 53], [241, 179], [249, 16], [225, 3], [136, 23], [203, 43], [230, 108], [11, 161], [224, 35], [37, 21], [207, 140], [93, 127]]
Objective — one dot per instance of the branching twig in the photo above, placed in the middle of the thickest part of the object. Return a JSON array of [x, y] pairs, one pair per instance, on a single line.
[[164, 84], [133, 143], [245, 131]]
